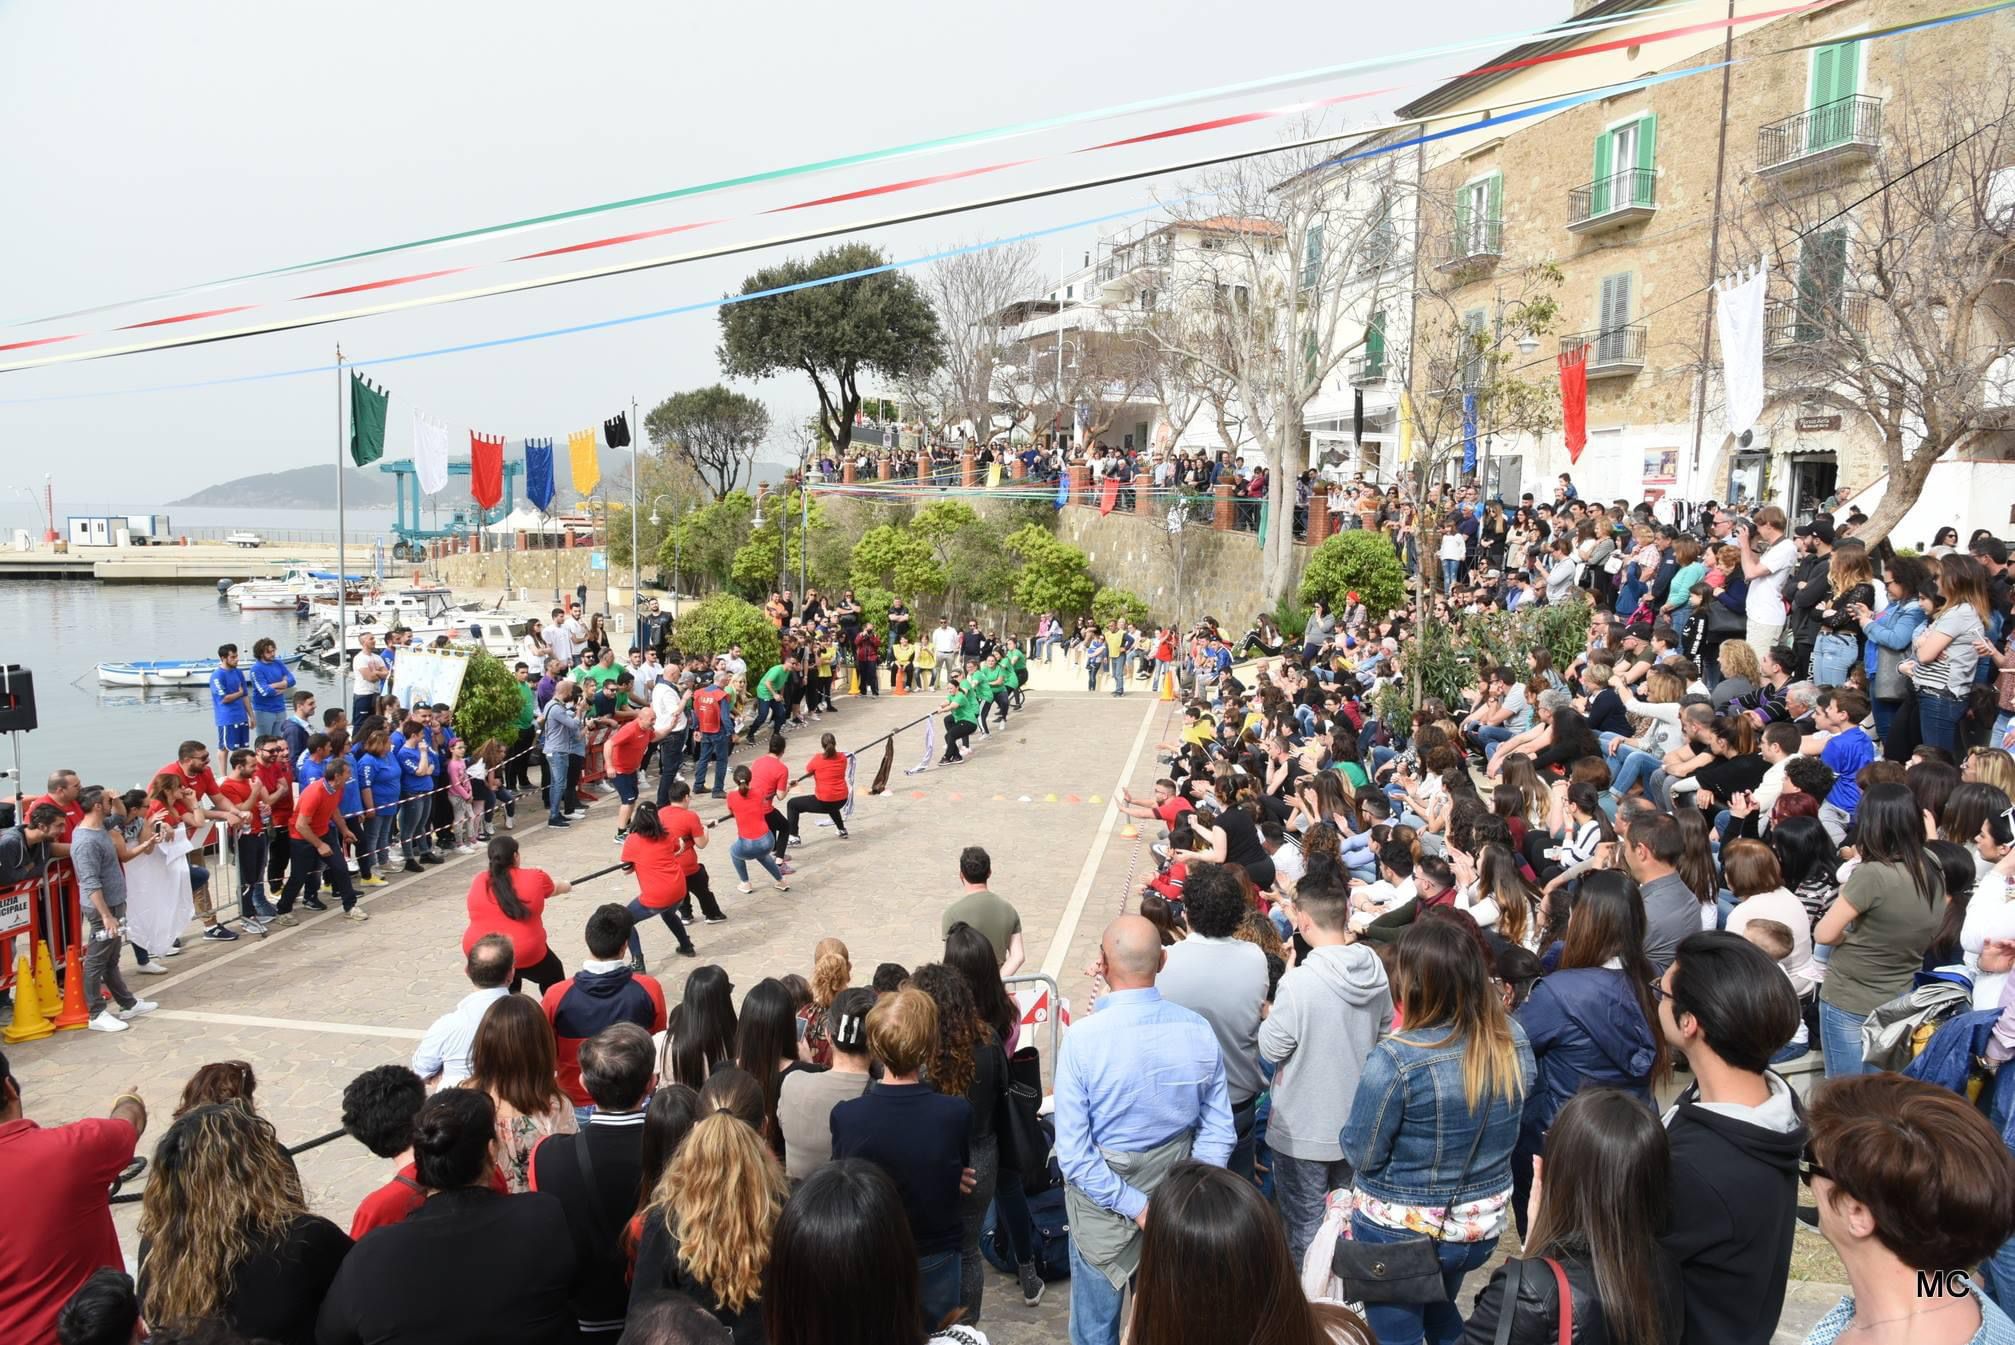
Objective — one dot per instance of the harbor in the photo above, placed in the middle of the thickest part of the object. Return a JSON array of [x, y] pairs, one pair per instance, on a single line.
[[198, 563]]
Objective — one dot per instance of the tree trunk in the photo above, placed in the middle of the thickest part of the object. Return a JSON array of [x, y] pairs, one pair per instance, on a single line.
[[1906, 485], [1277, 554]]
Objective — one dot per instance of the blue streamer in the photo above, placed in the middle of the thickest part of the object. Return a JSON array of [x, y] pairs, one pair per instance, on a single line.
[[1468, 432], [539, 473]]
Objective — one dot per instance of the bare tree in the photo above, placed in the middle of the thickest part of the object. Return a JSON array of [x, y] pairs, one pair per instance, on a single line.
[[1897, 283], [969, 293], [1183, 386]]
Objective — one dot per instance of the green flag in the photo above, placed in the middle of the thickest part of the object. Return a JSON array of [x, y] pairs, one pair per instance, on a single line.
[[367, 421]]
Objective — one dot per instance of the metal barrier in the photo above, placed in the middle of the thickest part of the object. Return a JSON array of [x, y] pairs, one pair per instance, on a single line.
[[1055, 1015]]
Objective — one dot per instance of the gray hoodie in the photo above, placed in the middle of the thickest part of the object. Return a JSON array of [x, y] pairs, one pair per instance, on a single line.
[[1327, 1015]]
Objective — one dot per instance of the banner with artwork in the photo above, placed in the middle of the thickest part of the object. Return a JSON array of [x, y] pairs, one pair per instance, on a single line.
[[429, 676]]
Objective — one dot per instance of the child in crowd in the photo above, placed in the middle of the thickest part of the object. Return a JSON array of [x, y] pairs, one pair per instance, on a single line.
[[1774, 938], [461, 797]]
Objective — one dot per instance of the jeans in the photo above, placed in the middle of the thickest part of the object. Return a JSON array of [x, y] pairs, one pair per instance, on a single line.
[[252, 903], [101, 972], [1833, 654], [268, 722], [1938, 721], [714, 747], [938, 1285], [1840, 1039], [1494, 736], [1242, 1119], [556, 785], [1300, 1185], [1448, 569], [1095, 1306], [1636, 766], [773, 711], [757, 848], [1010, 1210], [1412, 1323], [870, 677], [415, 825], [379, 829], [2000, 1276], [985, 1161], [671, 758], [639, 913], [308, 865]]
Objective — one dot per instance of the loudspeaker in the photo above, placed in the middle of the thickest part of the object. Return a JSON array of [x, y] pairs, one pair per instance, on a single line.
[[17, 699]]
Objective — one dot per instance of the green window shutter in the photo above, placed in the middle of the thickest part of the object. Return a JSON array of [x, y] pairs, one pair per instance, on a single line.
[[1823, 62], [1464, 242], [1311, 262], [1374, 343], [1495, 209], [1647, 159], [1835, 78], [1599, 205]]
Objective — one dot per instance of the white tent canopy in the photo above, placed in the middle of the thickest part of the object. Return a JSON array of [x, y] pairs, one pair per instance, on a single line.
[[526, 519]]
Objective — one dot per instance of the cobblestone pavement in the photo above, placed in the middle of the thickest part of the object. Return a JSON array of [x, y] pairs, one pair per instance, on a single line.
[[313, 1006]]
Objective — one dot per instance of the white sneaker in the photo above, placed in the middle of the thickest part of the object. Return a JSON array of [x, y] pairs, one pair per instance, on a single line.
[[172, 950], [141, 1008], [106, 1021], [255, 927], [357, 914], [151, 969], [352, 862]]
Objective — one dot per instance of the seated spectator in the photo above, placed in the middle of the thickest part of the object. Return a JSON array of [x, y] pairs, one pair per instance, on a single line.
[[222, 1081], [596, 1172], [700, 1033], [225, 1231], [1206, 1227], [1908, 1178], [379, 1107], [1605, 1193], [673, 1319], [805, 1104], [667, 1121], [442, 1058], [106, 1311], [470, 1264], [707, 1230]]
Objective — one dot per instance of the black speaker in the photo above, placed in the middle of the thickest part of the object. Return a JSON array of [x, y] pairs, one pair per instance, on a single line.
[[17, 699]]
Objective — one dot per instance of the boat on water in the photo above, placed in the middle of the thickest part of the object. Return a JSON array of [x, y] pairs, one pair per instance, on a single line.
[[497, 632], [297, 585], [413, 606], [172, 672]]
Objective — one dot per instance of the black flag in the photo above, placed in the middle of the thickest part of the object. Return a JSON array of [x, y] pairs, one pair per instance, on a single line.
[[1357, 415], [616, 433]]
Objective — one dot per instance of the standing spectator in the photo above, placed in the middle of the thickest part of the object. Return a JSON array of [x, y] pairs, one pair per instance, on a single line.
[[1140, 1086], [1223, 979], [368, 675], [867, 649], [1736, 1134], [514, 1062], [1881, 925], [1908, 1178], [469, 1264], [1945, 653], [442, 1057], [1767, 558], [270, 679], [565, 744], [96, 851], [225, 1232], [805, 1102], [1891, 635], [700, 1033], [1432, 1127], [1328, 1013], [967, 1062], [58, 1228], [596, 1173], [1593, 1020], [604, 992], [1607, 1193], [917, 1135], [987, 912]]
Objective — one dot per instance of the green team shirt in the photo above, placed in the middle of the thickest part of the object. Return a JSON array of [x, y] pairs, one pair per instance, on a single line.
[[528, 705], [601, 676], [965, 706], [772, 685], [1014, 661], [985, 682]]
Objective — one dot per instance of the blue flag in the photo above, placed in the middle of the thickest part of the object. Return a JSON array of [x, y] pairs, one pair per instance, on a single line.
[[1468, 432], [539, 473], [1062, 487]]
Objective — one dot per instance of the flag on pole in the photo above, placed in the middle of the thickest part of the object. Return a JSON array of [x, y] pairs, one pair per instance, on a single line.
[[1405, 426], [539, 473], [586, 466], [367, 421], [1574, 400], [486, 470], [617, 430], [1738, 320], [430, 454], [1468, 433], [1062, 487]]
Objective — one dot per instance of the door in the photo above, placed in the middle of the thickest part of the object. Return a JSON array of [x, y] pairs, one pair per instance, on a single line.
[[1822, 277], [1612, 342], [1836, 78]]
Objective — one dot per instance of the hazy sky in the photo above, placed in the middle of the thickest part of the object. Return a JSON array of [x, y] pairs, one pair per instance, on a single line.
[[149, 146]]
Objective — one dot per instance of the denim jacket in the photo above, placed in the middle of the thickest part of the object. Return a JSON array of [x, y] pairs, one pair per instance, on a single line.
[[1894, 628], [1410, 1128]]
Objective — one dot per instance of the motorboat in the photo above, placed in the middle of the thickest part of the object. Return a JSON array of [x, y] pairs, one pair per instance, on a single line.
[[497, 632], [171, 672], [414, 606], [297, 585]]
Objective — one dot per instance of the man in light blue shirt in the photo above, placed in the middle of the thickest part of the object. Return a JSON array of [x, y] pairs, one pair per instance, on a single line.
[[228, 706], [1140, 1086], [271, 679]]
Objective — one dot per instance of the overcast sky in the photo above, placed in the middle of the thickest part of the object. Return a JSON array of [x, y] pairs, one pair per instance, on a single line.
[[149, 146]]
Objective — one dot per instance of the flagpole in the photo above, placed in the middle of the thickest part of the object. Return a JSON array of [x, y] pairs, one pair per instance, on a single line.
[[342, 555], [636, 594]]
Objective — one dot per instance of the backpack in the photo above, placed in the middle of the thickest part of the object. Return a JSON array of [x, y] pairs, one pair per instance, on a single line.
[[1049, 1233]]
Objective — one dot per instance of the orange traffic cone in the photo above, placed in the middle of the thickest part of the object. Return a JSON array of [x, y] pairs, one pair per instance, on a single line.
[[30, 1023], [897, 685], [75, 1013], [45, 979]]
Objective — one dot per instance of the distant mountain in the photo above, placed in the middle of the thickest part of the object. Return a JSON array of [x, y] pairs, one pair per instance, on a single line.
[[298, 488]]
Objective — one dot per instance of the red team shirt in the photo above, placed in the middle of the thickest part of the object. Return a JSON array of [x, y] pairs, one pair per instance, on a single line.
[[829, 777]]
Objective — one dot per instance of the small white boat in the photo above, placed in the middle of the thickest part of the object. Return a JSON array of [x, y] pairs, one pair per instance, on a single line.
[[298, 584], [171, 672]]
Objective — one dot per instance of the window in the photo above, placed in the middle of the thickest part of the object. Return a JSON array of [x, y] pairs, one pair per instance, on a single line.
[[1612, 340], [1374, 346], [1475, 329], [1822, 277], [1311, 260], [1836, 78], [1624, 165], [1478, 210]]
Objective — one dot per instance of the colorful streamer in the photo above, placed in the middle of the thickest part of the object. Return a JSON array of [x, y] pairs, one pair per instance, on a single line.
[[582, 460], [486, 470]]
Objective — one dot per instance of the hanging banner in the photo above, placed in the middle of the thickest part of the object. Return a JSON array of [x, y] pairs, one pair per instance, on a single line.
[[367, 421], [539, 473], [486, 470], [1574, 400], [616, 432], [1468, 433], [1405, 426], [1108, 494], [429, 676], [994, 477], [1062, 487], [1738, 320], [1357, 417], [430, 454], [587, 468]]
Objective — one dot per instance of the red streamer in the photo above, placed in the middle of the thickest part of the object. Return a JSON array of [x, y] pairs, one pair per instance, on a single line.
[[486, 469], [1574, 400], [1108, 495]]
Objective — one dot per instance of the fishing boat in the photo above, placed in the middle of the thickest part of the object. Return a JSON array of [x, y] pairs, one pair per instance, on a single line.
[[165, 673], [497, 632]]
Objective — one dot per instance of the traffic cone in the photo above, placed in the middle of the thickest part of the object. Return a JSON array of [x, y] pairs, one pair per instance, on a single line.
[[854, 682], [30, 1023], [75, 1013], [45, 979], [1168, 686], [897, 685]]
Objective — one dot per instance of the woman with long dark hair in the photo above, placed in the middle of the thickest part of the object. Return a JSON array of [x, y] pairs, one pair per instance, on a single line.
[[225, 1231], [1808, 862], [667, 1121], [1592, 1021], [1214, 1266], [1879, 929], [969, 951], [1603, 1197], [1434, 1121], [700, 1034], [766, 1045], [969, 1063], [515, 1061], [508, 900], [752, 833]]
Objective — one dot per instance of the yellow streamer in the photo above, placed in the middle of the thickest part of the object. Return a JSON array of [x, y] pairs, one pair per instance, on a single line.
[[587, 466]]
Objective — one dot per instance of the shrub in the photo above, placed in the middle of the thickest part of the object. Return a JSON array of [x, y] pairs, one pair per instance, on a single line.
[[490, 701], [722, 620], [1054, 576], [1113, 605], [1357, 562]]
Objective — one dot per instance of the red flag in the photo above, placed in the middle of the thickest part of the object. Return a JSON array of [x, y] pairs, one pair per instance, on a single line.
[[1574, 400], [486, 470], [1109, 495]]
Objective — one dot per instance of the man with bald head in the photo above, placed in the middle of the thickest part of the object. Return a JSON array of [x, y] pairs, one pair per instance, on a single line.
[[1140, 1086]]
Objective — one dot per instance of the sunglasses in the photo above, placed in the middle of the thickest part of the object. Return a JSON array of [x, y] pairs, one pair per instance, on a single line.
[[1810, 1167]]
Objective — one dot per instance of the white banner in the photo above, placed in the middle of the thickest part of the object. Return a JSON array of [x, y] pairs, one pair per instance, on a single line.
[[428, 676], [430, 454], [1738, 319]]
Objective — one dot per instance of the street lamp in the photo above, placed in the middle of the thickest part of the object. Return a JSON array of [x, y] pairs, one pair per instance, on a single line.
[[676, 546]]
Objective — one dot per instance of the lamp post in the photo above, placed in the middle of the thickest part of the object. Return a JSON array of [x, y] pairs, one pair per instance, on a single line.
[[655, 521]]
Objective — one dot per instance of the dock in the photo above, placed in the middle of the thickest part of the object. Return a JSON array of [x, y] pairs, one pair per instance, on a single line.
[[201, 563]]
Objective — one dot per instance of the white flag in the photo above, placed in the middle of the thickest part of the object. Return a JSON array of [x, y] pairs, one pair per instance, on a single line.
[[1738, 319], [430, 454]]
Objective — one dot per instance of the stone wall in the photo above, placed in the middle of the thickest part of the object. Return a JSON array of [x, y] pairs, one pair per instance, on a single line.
[[532, 571]]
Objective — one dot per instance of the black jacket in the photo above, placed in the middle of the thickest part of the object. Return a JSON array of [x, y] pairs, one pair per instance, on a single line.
[[276, 1291], [469, 1265], [1535, 1318], [1806, 590], [596, 1215], [660, 1271], [1734, 1210]]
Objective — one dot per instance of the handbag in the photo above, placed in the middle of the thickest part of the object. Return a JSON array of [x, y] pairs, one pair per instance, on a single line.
[[1889, 682], [1514, 1279], [1407, 1271], [1026, 1144], [2004, 689]]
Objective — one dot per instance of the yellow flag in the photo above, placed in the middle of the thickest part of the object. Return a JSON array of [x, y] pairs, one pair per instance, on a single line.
[[1405, 427], [587, 467], [994, 477]]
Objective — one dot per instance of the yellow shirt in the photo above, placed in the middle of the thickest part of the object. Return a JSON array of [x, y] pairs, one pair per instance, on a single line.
[[926, 656], [904, 651]]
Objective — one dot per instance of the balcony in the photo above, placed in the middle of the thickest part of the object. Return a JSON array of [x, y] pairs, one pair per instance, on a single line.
[[1848, 129], [1378, 251], [1475, 241], [1368, 371], [1615, 353], [1621, 198], [1791, 324]]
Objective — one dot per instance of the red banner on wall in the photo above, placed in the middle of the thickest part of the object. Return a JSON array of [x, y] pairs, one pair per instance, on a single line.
[[1574, 400], [486, 470], [1108, 495]]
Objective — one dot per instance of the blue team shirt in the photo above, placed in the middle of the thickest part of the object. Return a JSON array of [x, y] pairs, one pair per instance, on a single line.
[[383, 776], [411, 782], [307, 771], [1847, 753], [224, 682], [270, 680], [352, 801]]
